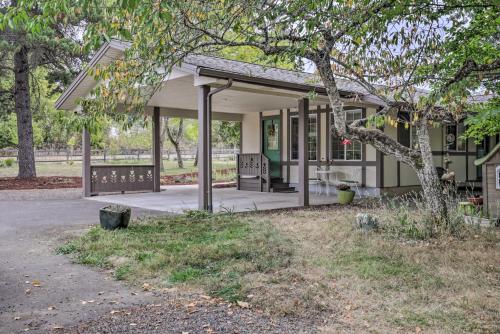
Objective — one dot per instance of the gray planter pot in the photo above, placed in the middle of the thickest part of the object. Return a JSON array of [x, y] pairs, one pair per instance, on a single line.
[[114, 216]]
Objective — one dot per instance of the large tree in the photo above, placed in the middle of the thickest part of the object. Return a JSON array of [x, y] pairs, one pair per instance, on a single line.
[[29, 39], [390, 49]]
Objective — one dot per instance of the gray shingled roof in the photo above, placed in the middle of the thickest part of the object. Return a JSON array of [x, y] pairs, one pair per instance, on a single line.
[[266, 72]]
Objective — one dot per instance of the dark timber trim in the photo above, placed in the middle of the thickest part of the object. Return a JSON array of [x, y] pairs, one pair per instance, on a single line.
[[303, 106], [281, 142], [86, 177], [203, 71], [156, 149], [328, 130], [203, 145], [337, 163], [288, 145], [363, 154], [379, 159], [318, 137], [260, 132]]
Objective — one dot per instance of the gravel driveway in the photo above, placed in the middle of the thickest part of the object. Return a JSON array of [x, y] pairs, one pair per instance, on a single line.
[[42, 292]]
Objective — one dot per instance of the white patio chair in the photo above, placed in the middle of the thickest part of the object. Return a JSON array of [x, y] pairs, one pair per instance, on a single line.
[[318, 182], [352, 180]]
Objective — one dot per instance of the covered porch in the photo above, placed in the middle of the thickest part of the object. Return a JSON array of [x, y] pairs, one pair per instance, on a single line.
[[181, 198], [209, 88]]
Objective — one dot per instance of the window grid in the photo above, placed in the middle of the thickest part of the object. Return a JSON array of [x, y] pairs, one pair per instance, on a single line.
[[352, 151], [312, 137]]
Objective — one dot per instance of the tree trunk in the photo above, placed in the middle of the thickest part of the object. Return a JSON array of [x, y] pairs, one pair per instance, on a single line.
[[175, 137], [434, 197], [180, 162], [195, 164], [26, 154]]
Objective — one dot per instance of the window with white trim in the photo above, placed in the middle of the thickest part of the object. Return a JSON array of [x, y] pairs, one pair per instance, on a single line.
[[454, 141], [312, 137], [341, 150]]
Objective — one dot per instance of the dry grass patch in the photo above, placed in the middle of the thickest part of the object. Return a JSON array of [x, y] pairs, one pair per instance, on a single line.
[[387, 284], [312, 263]]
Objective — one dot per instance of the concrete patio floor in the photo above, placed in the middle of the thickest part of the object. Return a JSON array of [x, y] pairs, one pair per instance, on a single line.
[[177, 199]]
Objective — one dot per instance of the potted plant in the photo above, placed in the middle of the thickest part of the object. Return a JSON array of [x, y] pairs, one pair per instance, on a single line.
[[476, 200], [345, 193], [114, 216]]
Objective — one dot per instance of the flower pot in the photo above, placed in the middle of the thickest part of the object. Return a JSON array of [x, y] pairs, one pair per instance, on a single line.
[[113, 217], [345, 196], [475, 200]]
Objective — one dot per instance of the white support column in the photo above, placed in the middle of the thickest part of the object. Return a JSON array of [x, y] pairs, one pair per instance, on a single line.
[[86, 177], [203, 147], [303, 107], [156, 149]]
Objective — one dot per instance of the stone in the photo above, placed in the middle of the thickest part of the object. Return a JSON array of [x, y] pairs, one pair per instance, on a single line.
[[366, 222]]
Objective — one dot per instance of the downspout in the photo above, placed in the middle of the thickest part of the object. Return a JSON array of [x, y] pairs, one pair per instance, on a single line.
[[209, 133]]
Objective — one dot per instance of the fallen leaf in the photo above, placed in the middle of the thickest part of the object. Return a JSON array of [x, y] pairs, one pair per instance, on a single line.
[[133, 324], [205, 297], [84, 302], [57, 327], [27, 291], [243, 304], [17, 318], [146, 287], [100, 293], [36, 283], [115, 311], [51, 307], [418, 330]]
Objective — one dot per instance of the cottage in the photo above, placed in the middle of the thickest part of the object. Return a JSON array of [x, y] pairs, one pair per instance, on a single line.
[[286, 142], [490, 165]]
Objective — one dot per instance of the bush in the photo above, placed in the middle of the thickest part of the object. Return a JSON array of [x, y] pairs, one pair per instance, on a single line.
[[9, 162], [2, 164], [407, 217], [343, 187]]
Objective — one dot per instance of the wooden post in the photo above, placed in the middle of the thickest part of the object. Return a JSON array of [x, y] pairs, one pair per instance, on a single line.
[[156, 149], [86, 177], [203, 147], [303, 107]]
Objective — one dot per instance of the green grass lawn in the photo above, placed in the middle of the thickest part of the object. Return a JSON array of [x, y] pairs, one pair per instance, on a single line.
[[312, 263], [211, 251], [75, 169]]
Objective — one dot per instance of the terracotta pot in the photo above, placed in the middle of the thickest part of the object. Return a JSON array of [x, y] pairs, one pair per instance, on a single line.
[[475, 200]]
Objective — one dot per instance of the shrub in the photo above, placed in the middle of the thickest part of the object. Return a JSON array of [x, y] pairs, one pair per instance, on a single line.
[[406, 216], [9, 162], [343, 187]]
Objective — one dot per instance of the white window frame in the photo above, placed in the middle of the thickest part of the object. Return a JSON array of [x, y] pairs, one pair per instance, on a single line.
[[291, 136], [497, 177], [456, 139], [345, 146]]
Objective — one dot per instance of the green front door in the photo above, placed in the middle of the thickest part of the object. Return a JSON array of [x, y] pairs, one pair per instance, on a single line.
[[271, 144]]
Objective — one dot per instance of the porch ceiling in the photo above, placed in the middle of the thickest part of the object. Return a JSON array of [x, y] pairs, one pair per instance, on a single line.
[[181, 93]]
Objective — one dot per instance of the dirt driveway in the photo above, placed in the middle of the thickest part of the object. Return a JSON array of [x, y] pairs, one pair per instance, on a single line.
[[40, 290]]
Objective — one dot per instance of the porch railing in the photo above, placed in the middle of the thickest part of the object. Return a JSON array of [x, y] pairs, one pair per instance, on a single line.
[[253, 172], [121, 178]]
